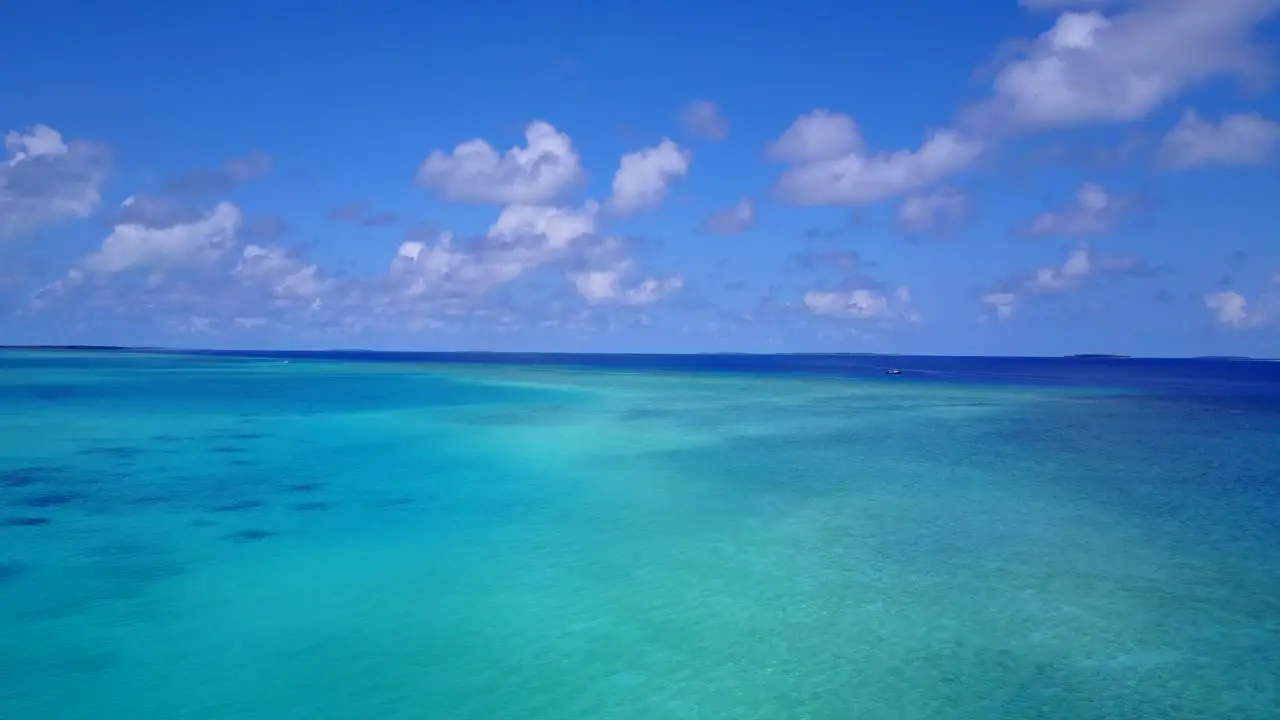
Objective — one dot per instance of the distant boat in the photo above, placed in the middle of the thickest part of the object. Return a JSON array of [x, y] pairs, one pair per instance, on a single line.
[[893, 371]]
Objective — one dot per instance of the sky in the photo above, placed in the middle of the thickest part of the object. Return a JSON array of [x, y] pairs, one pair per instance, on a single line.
[[1006, 177]]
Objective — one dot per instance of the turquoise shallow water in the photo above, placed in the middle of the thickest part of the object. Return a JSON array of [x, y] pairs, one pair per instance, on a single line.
[[215, 537]]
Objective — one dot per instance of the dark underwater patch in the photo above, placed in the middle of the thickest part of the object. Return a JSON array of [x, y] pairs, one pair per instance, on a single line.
[[113, 451], [30, 521], [53, 499], [165, 438], [312, 506], [25, 477], [52, 392], [10, 571], [227, 449], [306, 487], [241, 506], [248, 536], [17, 481], [153, 500]]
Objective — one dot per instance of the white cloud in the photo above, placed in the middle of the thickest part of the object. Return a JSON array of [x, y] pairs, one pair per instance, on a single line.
[[538, 173], [47, 179], [249, 323], [137, 246], [1241, 139], [1077, 268], [731, 220], [38, 141], [198, 274], [558, 226], [523, 237], [643, 176], [703, 119], [281, 273], [651, 290], [1234, 310], [934, 212], [608, 285], [193, 274], [1093, 211], [1002, 303], [1081, 267], [830, 164], [1230, 308], [1092, 67], [820, 135], [444, 268], [865, 304]]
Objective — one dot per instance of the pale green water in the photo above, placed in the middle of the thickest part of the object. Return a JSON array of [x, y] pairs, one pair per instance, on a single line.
[[243, 539]]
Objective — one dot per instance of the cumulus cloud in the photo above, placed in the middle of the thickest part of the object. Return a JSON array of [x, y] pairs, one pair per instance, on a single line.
[[863, 304], [1241, 139], [1230, 308], [1081, 267], [207, 274], [1093, 211], [820, 135], [522, 238], [643, 177], [1233, 310], [610, 285], [831, 166], [281, 273], [731, 220], [193, 274], [702, 119], [47, 179], [137, 246], [1094, 67], [553, 227], [936, 213], [541, 172]]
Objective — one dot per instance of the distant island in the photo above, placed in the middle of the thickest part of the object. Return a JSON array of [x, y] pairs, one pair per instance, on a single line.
[[1099, 356]]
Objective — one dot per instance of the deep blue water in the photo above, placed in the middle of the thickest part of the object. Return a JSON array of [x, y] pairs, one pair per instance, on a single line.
[[405, 535]]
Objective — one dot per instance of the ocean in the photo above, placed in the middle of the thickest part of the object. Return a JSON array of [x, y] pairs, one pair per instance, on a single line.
[[344, 535]]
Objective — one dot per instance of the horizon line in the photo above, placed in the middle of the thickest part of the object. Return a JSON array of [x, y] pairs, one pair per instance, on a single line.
[[1076, 356]]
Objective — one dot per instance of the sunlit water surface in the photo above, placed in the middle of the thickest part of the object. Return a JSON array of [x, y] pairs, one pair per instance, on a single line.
[[191, 537]]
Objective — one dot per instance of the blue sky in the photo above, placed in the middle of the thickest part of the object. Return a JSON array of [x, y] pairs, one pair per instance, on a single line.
[[1035, 177]]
